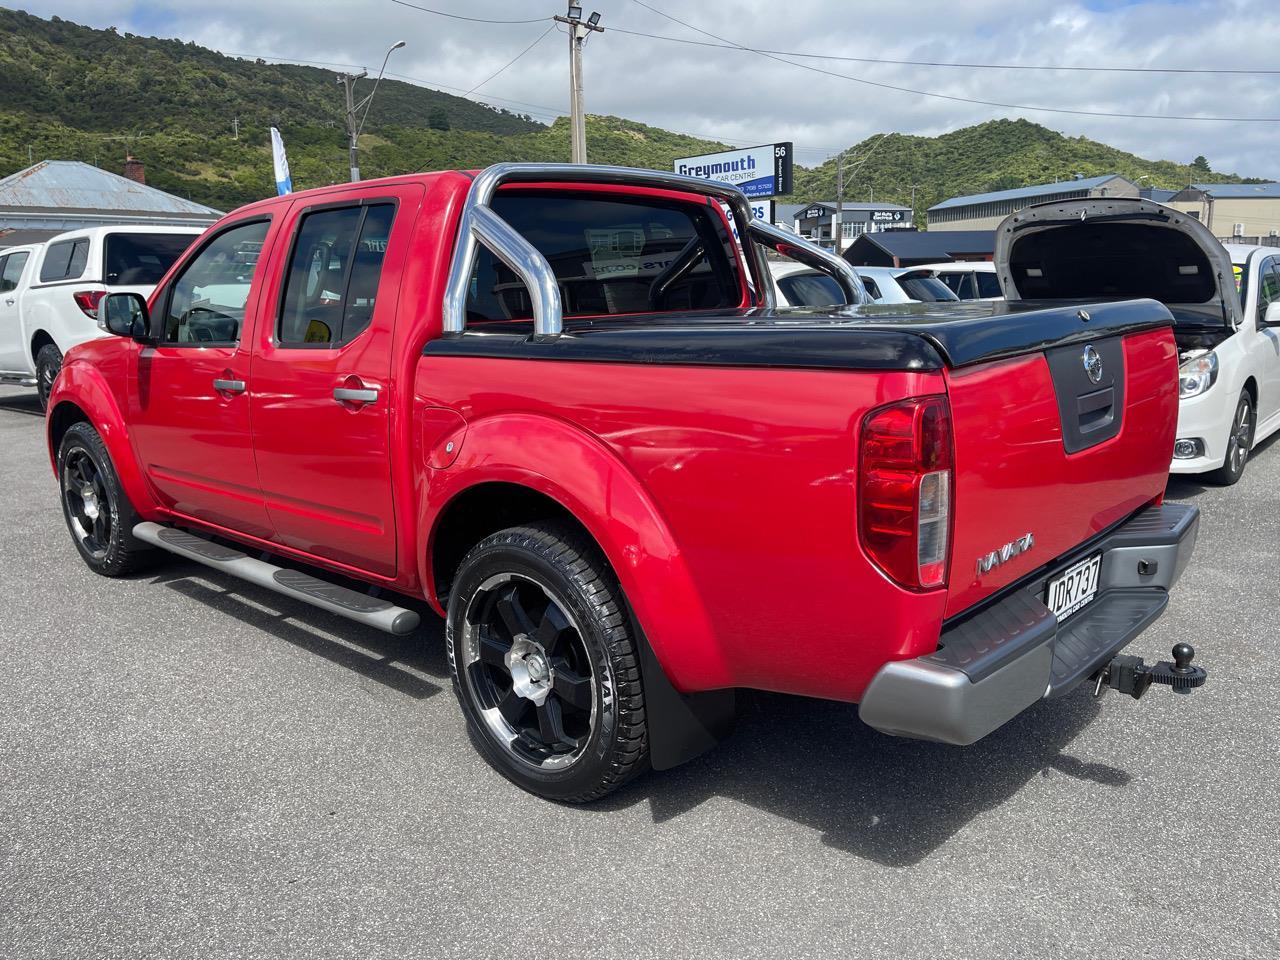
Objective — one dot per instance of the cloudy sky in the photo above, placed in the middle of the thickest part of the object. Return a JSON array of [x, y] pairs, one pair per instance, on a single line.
[[742, 97]]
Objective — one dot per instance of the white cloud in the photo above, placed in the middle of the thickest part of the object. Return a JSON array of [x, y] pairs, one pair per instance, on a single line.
[[744, 97]]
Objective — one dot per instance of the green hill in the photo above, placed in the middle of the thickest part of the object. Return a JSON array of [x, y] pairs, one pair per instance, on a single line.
[[74, 93], [996, 155]]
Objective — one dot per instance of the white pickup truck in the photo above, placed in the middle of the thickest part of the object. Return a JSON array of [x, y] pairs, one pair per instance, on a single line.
[[49, 292], [1225, 301]]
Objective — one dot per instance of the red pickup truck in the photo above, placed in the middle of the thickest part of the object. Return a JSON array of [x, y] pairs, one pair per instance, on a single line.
[[558, 404]]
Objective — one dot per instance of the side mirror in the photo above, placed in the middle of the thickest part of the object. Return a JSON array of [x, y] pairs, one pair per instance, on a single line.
[[1272, 317], [125, 315]]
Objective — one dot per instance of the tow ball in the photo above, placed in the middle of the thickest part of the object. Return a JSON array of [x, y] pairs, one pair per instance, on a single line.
[[1132, 676]]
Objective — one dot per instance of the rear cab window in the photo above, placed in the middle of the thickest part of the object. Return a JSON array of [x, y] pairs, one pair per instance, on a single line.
[[141, 259], [988, 285], [611, 254], [65, 260]]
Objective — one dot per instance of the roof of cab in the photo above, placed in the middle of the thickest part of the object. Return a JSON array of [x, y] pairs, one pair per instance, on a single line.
[[462, 178]]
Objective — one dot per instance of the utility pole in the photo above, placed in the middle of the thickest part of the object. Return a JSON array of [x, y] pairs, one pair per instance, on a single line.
[[837, 225], [235, 128], [579, 30], [348, 81], [913, 205]]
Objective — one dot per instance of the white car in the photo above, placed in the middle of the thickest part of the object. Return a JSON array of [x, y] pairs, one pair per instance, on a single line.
[[50, 292], [899, 285], [968, 279], [797, 285], [1225, 301]]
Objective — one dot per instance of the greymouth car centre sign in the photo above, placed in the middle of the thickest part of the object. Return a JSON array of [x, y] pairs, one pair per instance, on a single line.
[[763, 171]]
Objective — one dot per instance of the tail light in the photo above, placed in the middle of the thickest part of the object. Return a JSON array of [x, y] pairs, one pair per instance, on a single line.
[[905, 489], [88, 300]]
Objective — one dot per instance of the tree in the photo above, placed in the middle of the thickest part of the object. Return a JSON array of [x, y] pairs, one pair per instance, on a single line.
[[437, 119], [1200, 165]]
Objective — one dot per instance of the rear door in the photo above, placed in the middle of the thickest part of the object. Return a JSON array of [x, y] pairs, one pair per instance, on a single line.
[[323, 395], [13, 347], [190, 403]]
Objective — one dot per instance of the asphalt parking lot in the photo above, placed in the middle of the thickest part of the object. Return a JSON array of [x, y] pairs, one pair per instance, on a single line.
[[193, 767]]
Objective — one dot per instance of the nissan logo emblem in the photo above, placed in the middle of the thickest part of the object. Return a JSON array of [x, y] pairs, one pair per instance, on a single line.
[[1092, 364]]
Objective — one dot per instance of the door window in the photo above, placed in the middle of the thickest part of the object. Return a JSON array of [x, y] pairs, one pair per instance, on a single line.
[[11, 271], [206, 304], [957, 283], [988, 285], [332, 285], [64, 261], [1269, 286]]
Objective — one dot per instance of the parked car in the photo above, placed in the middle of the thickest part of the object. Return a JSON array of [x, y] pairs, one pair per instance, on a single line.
[[968, 279], [52, 305], [582, 434], [899, 285], [1226, 301], [798, 285]]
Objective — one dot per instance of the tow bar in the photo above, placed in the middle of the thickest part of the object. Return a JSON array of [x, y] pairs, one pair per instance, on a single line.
[[1132, 676]]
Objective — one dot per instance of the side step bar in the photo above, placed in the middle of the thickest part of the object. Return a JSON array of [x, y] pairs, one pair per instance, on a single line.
[[371, 611], [18, 379]]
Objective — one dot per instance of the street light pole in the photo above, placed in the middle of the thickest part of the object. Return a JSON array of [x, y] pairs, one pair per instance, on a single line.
[[579, 30], [348, 81]]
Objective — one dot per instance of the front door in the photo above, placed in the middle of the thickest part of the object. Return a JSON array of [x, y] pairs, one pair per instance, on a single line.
[[1267, 343], [323, 395], [13, 348], [190, 416]]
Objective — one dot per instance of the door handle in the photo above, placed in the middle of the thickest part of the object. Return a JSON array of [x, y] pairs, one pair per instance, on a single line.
[[9, 301], [228, 386], [355, 394]]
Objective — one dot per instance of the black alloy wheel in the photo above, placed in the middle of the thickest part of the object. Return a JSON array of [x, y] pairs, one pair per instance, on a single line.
[[545, 662]]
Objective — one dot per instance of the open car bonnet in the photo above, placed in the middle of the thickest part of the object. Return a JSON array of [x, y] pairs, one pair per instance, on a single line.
[[1116, 249]]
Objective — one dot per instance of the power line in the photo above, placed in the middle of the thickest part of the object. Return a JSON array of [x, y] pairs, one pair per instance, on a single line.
[[456, 16], [730, 45], [511, 61], [942, 96]]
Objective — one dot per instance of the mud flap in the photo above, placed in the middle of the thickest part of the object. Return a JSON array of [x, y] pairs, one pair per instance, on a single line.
[[681, 725]]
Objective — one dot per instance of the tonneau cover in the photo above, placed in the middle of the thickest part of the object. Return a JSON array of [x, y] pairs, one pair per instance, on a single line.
[[870, 337]]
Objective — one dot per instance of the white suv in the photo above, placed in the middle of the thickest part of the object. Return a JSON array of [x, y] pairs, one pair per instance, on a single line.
[[49, 293]]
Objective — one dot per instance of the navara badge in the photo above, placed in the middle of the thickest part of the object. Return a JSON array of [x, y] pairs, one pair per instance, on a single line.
[[1004, 554]]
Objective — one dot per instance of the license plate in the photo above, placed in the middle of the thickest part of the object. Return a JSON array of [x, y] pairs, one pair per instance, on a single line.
[[1074, 587]]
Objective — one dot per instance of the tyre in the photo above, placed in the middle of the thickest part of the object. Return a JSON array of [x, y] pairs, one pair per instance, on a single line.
[[1239, 443], [98, 514], [545, 663], [48, 363]]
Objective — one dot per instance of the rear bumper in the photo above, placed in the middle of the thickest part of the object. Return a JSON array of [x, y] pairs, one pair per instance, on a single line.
[[994, 664]]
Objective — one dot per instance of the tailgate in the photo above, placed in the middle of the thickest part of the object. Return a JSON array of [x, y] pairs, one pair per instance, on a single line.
[[1053, 447]]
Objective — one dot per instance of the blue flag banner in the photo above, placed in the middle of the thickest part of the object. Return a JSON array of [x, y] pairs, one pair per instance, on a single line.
[[284, 183]]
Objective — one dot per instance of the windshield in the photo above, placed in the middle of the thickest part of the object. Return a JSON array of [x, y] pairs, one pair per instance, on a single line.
[[811, 289], [925, 288], [141, 259]]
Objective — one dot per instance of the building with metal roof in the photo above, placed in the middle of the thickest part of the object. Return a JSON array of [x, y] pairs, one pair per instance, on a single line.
[[984, 211], [1237, 212], [817, 220], [54, 196], [906, 248]]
